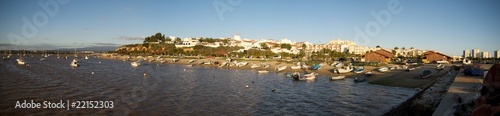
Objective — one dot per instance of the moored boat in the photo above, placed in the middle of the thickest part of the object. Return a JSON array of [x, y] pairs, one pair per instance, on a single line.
[[135, 64], [343, 70], [440, 67], [254, 66], [425, 74], [281, 68], [337, 78], [263, 71], [295, 67], [74, 63], [383, 69], [369, 73], [359, 69]]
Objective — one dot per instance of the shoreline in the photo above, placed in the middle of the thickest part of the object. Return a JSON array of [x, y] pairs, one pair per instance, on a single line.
[[393, 78]]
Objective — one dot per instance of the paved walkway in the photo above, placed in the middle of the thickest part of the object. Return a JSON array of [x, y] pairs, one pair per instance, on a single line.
[[464, 86]]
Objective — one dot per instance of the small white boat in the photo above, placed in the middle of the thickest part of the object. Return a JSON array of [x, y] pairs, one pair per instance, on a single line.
[[267, 66], [369, 73], [190, 65], [281, 68], [135, 64], [440, 67], [344, 70], [191, 61], [383, 69], [410, 69], [175, 60], [337, 78], [20, 61], [295, 67], [74, 63], [86, 57], [296, 76], [241, 64], [254, 66], [466, 61], [42, 59], [223, 64], [263, 71]]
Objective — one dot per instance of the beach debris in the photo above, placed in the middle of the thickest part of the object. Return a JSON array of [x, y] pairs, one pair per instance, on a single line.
[[246, 86], [273, 89]]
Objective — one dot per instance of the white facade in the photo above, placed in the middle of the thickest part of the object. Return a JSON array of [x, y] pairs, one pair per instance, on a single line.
[[486, 55], [476, 53], [466, 54]]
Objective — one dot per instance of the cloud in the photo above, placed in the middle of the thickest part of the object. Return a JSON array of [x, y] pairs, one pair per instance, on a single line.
[[130, 38]]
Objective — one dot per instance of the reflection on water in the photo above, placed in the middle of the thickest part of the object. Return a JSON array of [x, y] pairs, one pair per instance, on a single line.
[[181, 90]]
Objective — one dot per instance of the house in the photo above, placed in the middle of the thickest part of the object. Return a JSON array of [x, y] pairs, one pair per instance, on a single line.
[[432, 56], [381, 56]]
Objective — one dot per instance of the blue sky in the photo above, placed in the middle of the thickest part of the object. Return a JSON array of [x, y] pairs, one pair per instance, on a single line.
[[448, 26]]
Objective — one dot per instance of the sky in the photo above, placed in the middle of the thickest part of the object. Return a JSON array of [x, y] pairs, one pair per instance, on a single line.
[[447, 26]]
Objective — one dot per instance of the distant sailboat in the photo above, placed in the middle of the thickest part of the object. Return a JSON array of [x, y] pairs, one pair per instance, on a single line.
[[74, 63], [20, 59]]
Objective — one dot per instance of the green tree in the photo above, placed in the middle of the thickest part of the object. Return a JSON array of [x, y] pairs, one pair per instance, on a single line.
[[264, 46], [178, 40], [287, 46], [377, 46]]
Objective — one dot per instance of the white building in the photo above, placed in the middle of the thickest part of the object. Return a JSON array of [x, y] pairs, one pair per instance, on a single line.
[[237, 37], [466, 54], [476, 53], [188, 42], [485, 54]]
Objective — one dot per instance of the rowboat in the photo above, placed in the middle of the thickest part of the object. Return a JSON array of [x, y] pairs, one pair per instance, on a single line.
[[344, 70], [175, 60], [263, 71], [223, 64], [425, 74], [383, 69], [369, 73], [337, 78], [191, 61], [296, 76], [359, 69], [440, 67], [281, 68], [254, 66], [295, 67], [267, 66], [135, 64]]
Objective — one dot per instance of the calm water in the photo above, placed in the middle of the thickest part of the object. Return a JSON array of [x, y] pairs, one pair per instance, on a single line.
[[180, 90]]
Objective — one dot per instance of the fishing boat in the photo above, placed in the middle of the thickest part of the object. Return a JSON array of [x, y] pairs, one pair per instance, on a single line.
[[440, 67], [410, 69], [383, 69], [344, 70], [267, 66], [337, 64], [74, 63], [425, 74], [295, 67], [356, 79], [191, 61], [296, 76], [281, 68], [333, 78], [369, 73], [359, 69], [135, 64], [254, 66], [175, 60], [316, 67], [86, 57], [241, 64], [223, 64], [190, 65], [263, 71]]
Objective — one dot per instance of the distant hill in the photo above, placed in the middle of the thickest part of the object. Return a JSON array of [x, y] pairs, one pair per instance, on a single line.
[[93, 48]]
